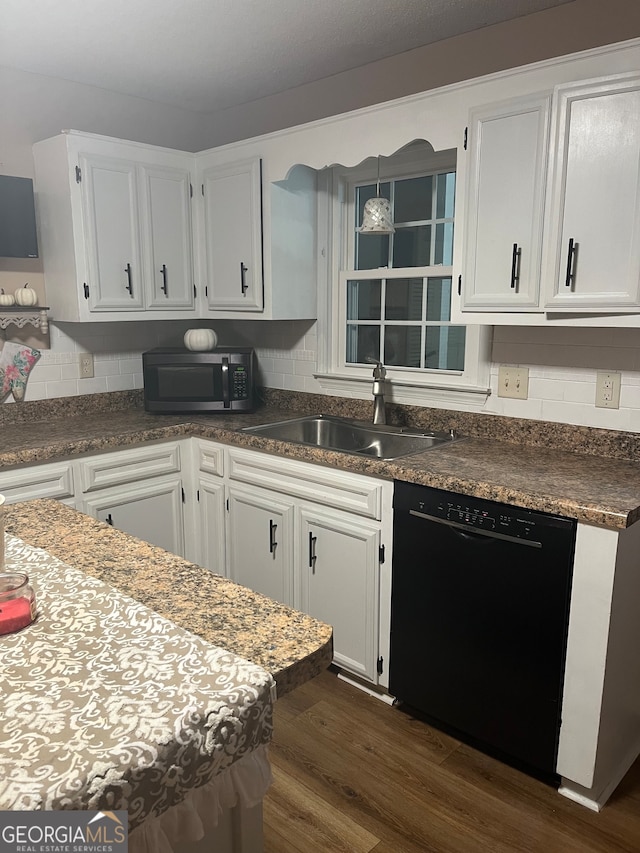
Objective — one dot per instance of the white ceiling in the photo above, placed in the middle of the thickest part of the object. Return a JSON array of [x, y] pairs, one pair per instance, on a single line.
[[207, 55]]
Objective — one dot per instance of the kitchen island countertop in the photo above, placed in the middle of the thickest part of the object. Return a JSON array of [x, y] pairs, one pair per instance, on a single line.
[[290, 645], [593, 489]]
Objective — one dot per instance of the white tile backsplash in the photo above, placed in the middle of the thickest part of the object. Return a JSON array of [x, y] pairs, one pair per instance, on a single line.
[[562, 362]]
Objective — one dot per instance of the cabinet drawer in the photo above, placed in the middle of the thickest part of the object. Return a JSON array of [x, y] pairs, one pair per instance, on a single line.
[[129, 466], [338, 489], [210, 458], [41, 481]]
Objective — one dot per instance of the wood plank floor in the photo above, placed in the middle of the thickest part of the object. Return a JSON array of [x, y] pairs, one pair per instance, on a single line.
[[354, 775]]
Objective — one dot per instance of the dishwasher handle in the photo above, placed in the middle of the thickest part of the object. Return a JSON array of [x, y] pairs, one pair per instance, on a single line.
[[463, 531]]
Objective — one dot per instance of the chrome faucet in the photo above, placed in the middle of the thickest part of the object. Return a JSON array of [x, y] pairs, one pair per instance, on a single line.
[[379, 374]]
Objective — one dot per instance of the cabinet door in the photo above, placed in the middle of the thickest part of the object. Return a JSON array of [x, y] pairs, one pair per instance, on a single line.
[[339, 565], [594, 223], [505, 198], [233, 236], [166, 218], [114, 257], [211, 524], [260, 542], [151, 511]]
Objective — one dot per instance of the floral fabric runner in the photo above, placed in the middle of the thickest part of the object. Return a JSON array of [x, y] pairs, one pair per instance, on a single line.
[[107, 705]]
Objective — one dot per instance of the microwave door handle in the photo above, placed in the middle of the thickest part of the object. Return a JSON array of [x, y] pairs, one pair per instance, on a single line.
[[226, 402]]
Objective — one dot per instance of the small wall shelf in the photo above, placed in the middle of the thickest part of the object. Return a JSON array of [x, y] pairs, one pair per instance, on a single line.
[[20, 316]]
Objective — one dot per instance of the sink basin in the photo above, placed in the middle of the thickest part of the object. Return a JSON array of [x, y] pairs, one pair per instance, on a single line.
[[349, 436]]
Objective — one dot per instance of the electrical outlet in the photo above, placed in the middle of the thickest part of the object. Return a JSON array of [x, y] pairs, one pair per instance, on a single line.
[[608, 390], [513, 382], [86, 365]]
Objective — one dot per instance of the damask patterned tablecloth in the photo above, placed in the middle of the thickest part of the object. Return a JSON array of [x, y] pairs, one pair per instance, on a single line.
[[107, 705]]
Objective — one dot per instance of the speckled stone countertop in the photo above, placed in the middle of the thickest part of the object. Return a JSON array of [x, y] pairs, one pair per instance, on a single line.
[[292, 646], [583, 473]]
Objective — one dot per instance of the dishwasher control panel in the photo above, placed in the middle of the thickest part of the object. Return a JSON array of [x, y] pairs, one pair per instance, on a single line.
[[476, 514]]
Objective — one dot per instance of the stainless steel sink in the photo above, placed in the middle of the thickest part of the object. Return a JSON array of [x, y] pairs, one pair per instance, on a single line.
[[349, 436]]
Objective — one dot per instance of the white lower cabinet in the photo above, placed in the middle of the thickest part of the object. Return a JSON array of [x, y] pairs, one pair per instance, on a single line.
[[260, 542], [54, 480], [315, 538], [339, 563], [151, 511]]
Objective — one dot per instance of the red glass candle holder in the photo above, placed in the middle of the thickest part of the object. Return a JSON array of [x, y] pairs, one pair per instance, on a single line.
[[17, 602]]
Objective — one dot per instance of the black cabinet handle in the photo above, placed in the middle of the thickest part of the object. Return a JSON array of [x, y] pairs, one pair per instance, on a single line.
[[129, 285], [109, 520], [272, 536], [312, 552], [515, 266], [243, 278], [163, 286], [572, 257]]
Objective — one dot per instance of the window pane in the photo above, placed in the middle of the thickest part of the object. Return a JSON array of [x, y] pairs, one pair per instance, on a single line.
[[412, 246], [372, 251], [444, 347], [363, 300], [413, 199], [402, 345], [443, 249], [445, 195], [403, 299], [362, 342], [439, 299]]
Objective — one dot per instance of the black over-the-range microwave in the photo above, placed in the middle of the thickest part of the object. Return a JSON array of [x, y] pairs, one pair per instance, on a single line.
[[180, 380]]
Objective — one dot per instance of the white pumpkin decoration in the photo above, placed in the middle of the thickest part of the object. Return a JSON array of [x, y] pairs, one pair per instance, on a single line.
[[6, 299], [26, 296], [200, 340]]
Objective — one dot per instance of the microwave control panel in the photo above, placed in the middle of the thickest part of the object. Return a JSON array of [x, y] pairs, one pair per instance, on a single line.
[[239, 382]]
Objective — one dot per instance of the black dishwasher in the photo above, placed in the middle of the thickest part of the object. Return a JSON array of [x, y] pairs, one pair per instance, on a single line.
[[479, 617]]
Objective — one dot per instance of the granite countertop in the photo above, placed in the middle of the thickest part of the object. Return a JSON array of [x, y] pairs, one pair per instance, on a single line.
[[595, 489], [290, 645]]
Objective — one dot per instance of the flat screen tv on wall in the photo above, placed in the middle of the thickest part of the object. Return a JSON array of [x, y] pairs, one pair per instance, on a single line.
[[18, 238]]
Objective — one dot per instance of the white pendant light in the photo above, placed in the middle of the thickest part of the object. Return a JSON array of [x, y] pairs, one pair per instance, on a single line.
[[376, 216]]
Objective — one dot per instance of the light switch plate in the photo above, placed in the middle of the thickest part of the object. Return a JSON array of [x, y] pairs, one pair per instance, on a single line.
[[513, 382], [608, 390]]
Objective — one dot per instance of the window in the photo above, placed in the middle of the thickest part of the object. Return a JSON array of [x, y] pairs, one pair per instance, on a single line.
[[389, 296]]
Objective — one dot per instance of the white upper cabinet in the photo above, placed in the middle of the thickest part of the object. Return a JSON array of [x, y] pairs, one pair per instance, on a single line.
[[115, 228], [232, 235], [508, 145], [593, 228], [113, 248], [166, 208]]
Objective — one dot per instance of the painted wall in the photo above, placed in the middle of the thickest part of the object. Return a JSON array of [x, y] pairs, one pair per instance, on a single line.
[[575, 26]]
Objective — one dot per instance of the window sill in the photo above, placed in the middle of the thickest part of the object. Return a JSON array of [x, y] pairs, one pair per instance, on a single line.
[[400, 391]]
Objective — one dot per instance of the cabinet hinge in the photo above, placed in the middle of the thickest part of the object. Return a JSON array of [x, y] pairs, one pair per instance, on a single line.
[[380, 665], [195, 292], [85, 287], [197, 494], [459, 285], [78, 174], [466, 137], [381, 554], [183, 497]]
